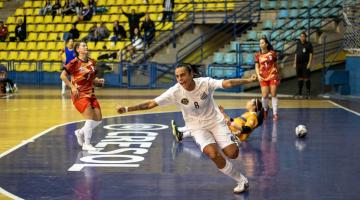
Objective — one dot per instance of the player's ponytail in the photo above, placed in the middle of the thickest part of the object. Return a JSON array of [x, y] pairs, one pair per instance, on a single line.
[[259, 111]]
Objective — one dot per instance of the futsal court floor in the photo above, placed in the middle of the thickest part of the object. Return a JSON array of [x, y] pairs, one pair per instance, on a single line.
[[39, 157]]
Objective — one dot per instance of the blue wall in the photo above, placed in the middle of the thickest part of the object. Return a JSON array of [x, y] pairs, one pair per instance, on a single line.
[[353, 66]]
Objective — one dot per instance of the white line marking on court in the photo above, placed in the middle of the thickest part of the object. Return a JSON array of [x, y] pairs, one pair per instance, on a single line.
[[7, 96], [347, 109], [8, 194], [24, 142]]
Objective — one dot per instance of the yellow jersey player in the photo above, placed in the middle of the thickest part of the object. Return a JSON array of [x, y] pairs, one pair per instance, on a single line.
[[241, 126]]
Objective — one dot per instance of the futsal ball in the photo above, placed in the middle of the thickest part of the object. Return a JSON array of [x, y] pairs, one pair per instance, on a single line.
[[301, 131]]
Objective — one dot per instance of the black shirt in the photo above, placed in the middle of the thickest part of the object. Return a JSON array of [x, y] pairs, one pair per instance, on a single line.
[[303, 52]]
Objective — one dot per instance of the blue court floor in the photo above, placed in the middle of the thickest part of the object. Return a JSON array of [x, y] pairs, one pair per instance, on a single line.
[[140, 160]]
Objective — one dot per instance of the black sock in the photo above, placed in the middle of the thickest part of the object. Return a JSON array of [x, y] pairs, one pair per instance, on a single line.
[[300, 85], [308, 85]]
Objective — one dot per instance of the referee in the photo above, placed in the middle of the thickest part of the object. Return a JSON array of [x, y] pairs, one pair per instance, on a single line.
[[302, 63]]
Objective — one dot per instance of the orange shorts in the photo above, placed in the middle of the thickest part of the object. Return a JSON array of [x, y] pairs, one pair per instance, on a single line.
[[275, 82], [82, 104]]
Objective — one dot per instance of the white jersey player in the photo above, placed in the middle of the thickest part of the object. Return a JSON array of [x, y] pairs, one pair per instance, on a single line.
[[194, 96]]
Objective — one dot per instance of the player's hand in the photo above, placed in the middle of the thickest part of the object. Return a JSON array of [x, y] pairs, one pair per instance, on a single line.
[[260, 78], [120, 109], [75, 91], [100, 82], [252, 78], [222, 110]]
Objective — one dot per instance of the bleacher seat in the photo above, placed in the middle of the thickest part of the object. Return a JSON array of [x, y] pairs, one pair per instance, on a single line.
[[248, 59], [305, 4], [294, 4], [293, 13], [218, 58], [283, 14], [252, 36], [280, 23], [235, 46], [267, 24], [230, 58], [283, 5]]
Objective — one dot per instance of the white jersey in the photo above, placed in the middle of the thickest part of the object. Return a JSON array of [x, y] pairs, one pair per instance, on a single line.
[[198, 107]]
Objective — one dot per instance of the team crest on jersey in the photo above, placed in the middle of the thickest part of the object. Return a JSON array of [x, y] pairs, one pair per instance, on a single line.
[[184, 101], [203, 96]]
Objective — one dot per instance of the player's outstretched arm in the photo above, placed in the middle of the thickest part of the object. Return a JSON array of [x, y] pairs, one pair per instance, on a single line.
[[143, 106], [229, 83]]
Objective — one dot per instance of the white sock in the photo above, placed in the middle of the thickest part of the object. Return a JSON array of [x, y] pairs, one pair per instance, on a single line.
[[94, 123], [186, 134], [87, 130], [274, 101], [265, 103], [182, 129], [63, 86], [231, 172]]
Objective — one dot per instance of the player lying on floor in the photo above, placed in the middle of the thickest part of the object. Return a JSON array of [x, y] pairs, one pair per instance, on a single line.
[[241, 126]]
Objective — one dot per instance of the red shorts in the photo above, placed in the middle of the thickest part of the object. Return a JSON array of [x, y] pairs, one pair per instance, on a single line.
[[275, 82], [82, 104]]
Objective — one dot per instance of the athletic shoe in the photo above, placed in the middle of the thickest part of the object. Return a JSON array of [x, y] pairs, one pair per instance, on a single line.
[[79, 137], [88, 147], [308, 95], [276, 117], [177, 134], [242, 186], [266, 113]]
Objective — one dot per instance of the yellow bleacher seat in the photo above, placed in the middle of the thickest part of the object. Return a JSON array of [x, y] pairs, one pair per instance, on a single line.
[[113, 18], [11, 46], [88, 26], [153, 9], [31, 27], [52, 36], [67, 27], [48, 19], [1, 4], [41, 46], [11, 27], [105, 18], [50, 28], [30, 20], [46, 67], [33, 55], [13, 55], [60, 28], [50, 46], [39, 19], [168, 26], [42, 37], [36, 11], [109, 26], [157, 2], [28, 4], [40, 28], [101, 3], [114, 10], [19, 12], [25, 66], [11, 20], [32, 37], [37, 4], [52, 67], [94, 54], [30, 11], [99, 45], [96, 18], [57, 66], [142, 9], [111, 2], [3, 55], [80, 27], [43, 56], [139, 2], [91, 46], [23, 55], [59, 46], [21, 46], [82, 35], [31, 46], [67, 19], [58, 19], [54, 56]]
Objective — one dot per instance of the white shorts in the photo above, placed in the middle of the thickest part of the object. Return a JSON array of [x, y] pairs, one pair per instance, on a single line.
[[218, 134]]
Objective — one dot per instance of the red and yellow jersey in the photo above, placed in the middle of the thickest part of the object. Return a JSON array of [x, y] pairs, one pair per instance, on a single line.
[[267, 65], [82, 76], [248, 119]]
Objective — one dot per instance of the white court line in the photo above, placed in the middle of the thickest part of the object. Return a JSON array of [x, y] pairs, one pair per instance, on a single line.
[[7, 96], [8, 194], [24, 142], [347, 109]]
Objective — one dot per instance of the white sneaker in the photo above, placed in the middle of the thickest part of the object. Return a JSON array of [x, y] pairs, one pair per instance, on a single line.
[[88, 147], [242, 186], [79, 137]]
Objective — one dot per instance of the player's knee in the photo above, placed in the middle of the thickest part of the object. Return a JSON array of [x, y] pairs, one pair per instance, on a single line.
[[233, 154]]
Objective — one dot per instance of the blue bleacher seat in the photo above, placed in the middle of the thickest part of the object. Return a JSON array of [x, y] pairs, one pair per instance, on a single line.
[[218, 58], [292, 24], [230, 58], [283, 14], [305, 4], [303, 23], [271, 5], [267, 24], [315, 23], [283, 5], [234, 45], [249, 59], [279, 46], [267, 34], [246, 47], [276, 35], [262, 5], [315, 12], [294, 4], [339, 2], [252, 36], [303, 13], [297, 34], [279, 23], [288, 35], [327, 3], [294, 13]]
